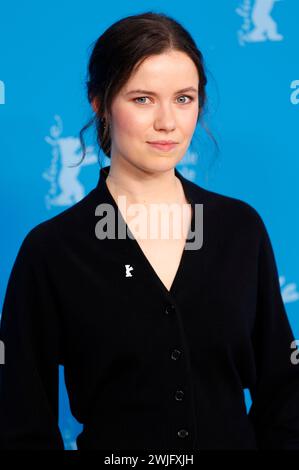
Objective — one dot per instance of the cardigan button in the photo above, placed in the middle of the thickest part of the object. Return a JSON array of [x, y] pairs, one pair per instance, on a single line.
[[175, 354], [183, 433], [179, 395], [169, 309]]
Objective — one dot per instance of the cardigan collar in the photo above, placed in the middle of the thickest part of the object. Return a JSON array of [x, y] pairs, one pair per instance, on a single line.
[[104, 195]]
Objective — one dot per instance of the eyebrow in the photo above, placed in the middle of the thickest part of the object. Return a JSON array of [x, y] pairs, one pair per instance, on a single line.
[[147, 92]]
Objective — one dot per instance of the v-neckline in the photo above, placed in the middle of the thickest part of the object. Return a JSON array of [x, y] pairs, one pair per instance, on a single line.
[[142, 256]]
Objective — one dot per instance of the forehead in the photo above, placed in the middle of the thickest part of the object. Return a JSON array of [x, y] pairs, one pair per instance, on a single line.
[[168, 71]]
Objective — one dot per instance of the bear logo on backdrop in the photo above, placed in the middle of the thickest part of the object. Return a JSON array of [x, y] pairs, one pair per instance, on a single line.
[[258, 24], [65, 187]]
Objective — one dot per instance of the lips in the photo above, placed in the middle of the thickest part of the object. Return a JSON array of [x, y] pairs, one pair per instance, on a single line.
[[163, 146], [162, 142]]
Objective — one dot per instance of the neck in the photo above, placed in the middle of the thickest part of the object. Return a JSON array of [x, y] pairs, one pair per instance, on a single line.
[[144, 187]]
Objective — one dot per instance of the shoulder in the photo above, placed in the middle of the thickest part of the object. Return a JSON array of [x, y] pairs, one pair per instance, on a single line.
[[57, 230], [229, 214]]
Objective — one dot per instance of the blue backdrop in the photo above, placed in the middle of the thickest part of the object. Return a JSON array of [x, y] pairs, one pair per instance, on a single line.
[[251, 55]]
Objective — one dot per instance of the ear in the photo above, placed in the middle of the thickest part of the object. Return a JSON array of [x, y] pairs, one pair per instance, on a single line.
[[94, 105]]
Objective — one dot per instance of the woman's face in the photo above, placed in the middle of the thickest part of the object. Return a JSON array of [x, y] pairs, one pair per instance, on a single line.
[[164, 114]]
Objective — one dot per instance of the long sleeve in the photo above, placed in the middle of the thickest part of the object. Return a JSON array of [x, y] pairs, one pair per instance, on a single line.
[[275, 395], [31, 333]]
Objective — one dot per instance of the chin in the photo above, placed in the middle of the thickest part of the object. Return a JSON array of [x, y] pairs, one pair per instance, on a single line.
[[159, 165]]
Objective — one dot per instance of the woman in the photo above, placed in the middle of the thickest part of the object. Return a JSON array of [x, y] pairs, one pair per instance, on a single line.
[[159, 336]]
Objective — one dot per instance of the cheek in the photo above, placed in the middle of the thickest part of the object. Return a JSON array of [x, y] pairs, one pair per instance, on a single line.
[[127, 122], [188, 126]]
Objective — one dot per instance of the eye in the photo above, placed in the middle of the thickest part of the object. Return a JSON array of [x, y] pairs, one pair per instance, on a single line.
[[191, 97], [140, 98]]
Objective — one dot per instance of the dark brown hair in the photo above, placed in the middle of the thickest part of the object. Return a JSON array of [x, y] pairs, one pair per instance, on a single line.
[[123, 47]]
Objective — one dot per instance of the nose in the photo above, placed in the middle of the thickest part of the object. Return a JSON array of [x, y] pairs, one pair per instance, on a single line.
[[165, 119]]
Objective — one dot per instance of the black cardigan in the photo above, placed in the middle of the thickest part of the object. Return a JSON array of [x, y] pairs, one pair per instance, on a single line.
[[148, 368]]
